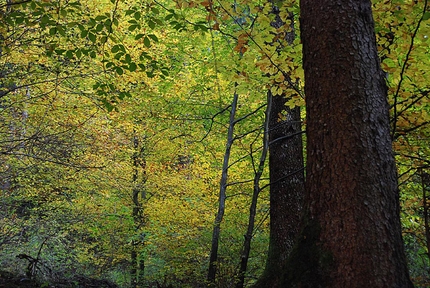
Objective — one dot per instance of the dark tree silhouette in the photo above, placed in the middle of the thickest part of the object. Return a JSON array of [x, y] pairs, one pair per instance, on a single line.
[[351, 233]]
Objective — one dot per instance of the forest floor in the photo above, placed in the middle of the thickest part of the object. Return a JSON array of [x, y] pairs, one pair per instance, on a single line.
[[10, 280]]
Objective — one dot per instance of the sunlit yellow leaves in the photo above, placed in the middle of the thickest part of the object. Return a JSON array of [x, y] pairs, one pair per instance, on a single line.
[[181, 81], [276, 90]]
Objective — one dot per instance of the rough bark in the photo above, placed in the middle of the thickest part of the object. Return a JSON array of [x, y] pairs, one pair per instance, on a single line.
[[351, 233], [286, 176], [286, 188], [286, 172]]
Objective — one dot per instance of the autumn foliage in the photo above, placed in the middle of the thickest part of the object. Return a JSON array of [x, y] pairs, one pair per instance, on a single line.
[[113, 125]]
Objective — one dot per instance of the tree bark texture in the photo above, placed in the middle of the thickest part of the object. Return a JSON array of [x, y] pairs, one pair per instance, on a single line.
[[351, 233], [286, 187], [287, 180], [286, 169]]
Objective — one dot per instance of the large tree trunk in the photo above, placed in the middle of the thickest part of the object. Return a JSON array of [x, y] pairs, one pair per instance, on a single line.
[[287, 183], [286, 188], [351, 235]]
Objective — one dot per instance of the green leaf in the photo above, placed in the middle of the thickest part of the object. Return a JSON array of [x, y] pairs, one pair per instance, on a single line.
[[78, 53], [53, 31], [92, 37], [129, 12], [63, 12], [153, 37], [108, 105], [108, 23], [69, 54], [145, 55], [123, 94], [151, 24], [72, 24], [426, 16], [137, 15], [132, 67], [138, 36], [96, 85], [84, 33], [44, 19], [127, 58], [132, 27], [146, 42], [119, 70], [99, 27], [61, 30], [100, 18], [118, 55], [19, 20], [179, 27], [165, 72], [115, 49], [92, 23]]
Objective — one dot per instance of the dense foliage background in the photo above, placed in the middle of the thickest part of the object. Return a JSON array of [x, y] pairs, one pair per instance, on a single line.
[[113, 126]]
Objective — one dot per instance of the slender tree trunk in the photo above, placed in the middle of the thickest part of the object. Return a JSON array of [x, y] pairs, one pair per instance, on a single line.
[[139, 164], [425, 183], [213, 258], [253, 208], [135, 213], [351, 233]]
